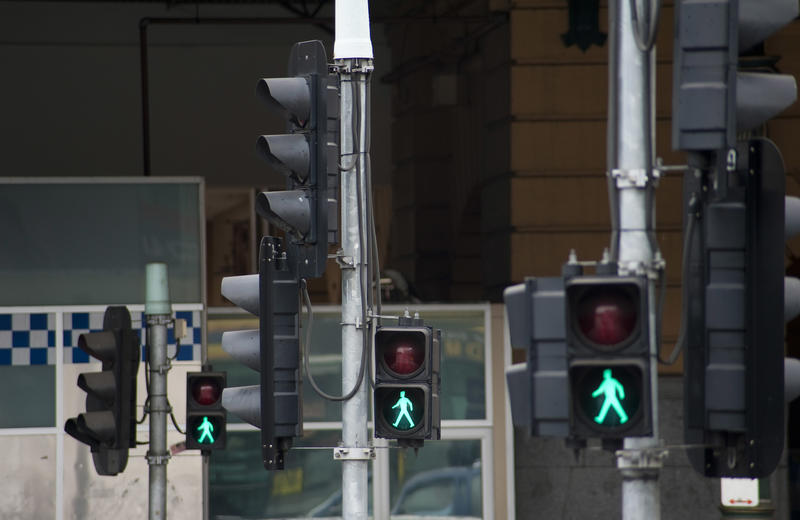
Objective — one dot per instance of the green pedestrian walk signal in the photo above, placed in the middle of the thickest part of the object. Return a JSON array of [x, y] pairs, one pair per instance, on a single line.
[[404, 403], [402, 408], [608, 398], [612, 391], [206, 431], [205, 416]]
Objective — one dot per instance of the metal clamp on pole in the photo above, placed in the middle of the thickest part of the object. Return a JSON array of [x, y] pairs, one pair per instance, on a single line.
[[640, 463], [631, 178], [341, 453]]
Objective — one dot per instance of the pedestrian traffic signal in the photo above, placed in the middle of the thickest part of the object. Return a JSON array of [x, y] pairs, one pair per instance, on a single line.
[[608, 356], [108, 426], [205, 417], [307, 210], [538, 389], [406, 397], [274, 406]]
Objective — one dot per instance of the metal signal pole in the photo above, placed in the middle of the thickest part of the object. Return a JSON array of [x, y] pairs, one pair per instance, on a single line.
[[158, 313], [631, 138], [353, 59]]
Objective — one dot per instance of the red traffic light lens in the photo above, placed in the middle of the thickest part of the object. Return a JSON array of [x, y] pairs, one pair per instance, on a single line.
[[404, 355], [206, 391], [606, 317]]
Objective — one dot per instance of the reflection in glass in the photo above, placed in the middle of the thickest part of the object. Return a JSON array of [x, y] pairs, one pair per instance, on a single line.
[[88, 243], [240, 486], [34, 391], [446, 481]]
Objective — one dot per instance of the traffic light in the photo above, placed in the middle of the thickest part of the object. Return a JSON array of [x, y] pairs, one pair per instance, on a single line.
[[274, 406], [734, 202], [734, 357], [538, 389], [608, 356], [406, 399], [712, 100], [307, 211], [205, 416], [108, 426]]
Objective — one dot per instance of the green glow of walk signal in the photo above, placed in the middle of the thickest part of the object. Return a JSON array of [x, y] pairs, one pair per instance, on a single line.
[[206, 431], [401, 408], [612, 391], [403, 405]]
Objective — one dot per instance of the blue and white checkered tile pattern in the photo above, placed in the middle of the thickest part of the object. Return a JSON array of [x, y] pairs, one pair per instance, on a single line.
[[29, 339]]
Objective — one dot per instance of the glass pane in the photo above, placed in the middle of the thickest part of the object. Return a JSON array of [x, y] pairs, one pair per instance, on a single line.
[[310, 486], [81, 244], [34, 391], [27, 370], [463, 392], [443, 479]]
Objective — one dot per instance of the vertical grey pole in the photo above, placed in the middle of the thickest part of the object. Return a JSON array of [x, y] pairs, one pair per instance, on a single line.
[[352, 55], [158, 314], [354, 75], [631, 123]]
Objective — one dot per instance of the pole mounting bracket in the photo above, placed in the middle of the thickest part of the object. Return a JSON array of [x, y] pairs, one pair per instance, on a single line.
[[341, 453], [630, 178], [634, 463]]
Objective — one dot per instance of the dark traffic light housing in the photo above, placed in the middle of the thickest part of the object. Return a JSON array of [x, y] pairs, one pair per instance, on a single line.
[[274, 406], [307, 210], [733, 199], [407, 380], [608, 356], [205, 417], [538, 389], [108, 426], [734, 357]]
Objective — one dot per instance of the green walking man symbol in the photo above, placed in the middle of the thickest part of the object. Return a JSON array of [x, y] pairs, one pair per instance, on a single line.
[[405, 404], [205, 429], [609, 388]]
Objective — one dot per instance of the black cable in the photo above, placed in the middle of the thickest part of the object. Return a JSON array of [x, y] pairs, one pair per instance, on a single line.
[[680, 343], [147, 385], [174, 422], [307, 355], [354, 136], [144, 411], [365, 251]]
